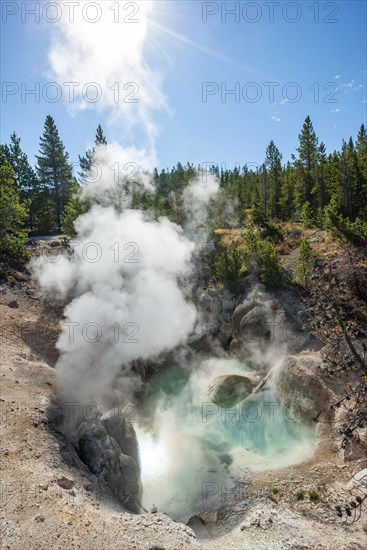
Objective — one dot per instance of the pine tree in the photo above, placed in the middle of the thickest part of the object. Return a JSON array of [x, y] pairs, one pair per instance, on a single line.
[[346, 182], [361, 151], [305, 262], [265, 191], [76, 206], [24, 177], [287, 197], [23, 172], [54, 171], [86, 161], [258, 214], [273, 162], [13, 214], [321, 176], [100, 137], [306, 164]]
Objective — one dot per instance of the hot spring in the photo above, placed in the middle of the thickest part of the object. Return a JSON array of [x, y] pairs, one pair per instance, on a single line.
[[193, 450]]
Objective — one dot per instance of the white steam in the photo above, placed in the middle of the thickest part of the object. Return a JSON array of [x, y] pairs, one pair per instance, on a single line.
[[113, 176], [127, 303], [123, 279], [196, 200]]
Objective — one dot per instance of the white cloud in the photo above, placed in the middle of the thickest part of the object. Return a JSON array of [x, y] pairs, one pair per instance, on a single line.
[[335, 110], [352, 85], [284, 101], [337, 76], [276, 118]]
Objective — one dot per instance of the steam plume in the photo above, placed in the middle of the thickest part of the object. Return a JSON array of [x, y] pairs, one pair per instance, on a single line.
[[127, 302]]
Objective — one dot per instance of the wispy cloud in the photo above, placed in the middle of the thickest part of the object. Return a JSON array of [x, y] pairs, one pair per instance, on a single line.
[[337, 76], [276, 118], [350, 86], [335, 110], [284, 101]]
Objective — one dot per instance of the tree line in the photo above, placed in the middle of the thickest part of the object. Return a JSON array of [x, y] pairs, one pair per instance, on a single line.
[[315, 188]]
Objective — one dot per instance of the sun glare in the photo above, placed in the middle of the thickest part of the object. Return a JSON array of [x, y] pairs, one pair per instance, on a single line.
[[153, 456]]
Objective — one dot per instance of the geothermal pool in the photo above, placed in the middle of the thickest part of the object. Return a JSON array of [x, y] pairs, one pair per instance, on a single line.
[[193, 452]]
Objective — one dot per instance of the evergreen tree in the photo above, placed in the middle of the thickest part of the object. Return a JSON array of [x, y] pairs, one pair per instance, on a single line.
[[23, 172], [100, 137], [76, 206], [271, 272], [86, 161], [361, 151], [321, 176], [346, 181], [265, 191], [13, 214], [273, 162], [54, 171], [306, 164], [287, 197], [24, 177], [305, 262], [258, 215]]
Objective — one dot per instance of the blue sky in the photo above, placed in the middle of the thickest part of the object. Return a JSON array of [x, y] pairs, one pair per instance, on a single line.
[[318, 61]]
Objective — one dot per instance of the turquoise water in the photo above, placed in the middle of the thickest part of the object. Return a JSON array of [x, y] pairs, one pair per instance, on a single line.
[[191, 448]]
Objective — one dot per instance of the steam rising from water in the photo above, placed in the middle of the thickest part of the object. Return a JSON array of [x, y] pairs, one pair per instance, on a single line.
[[127, 303], [122, 283]]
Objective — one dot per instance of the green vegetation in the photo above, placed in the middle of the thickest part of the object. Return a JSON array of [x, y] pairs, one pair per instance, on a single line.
[[54, 175], [247, 255], [230, 266], [13, 214], [313, 495], [315, 188], [305, 262], [300, 495], [275, 490], [74, 208]]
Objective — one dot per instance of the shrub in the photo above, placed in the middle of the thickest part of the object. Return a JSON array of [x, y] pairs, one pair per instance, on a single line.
[[300, 495], [273, 232], [313, 495], [270, 265], [239, 257], [230, 266], [353, 231], [307, 215], [304, 267]]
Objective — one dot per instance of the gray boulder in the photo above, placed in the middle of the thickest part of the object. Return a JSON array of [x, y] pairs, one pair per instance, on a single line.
[[356, 446], [109, 447], [264, 320], [252, 327], [301, 390], [230, 389]]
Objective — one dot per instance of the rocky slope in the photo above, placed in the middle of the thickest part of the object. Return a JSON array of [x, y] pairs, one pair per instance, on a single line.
[[49, 498]]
